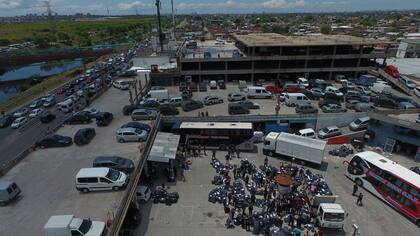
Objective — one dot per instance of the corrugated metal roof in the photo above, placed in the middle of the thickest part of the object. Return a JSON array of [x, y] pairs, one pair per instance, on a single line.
[[164, 147]]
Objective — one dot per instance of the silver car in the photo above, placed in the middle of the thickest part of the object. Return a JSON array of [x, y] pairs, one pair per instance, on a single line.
[[143, 114], [235, 96], [210, 100], [131, 135], [328, 132]]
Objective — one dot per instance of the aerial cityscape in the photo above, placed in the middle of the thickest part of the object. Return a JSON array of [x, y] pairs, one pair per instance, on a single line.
[[195, 117]]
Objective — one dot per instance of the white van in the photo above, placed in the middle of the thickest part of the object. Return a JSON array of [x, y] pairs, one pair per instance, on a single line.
[[309, 133], [242, 85], [121, 84], [66, 106], [176, 101], [213, 84], [303, 82], [258, 92], [161, 95], [294, 99], [8, 191], [96, 179]]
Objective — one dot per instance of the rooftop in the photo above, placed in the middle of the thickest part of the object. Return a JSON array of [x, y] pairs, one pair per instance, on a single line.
[[273, 39]]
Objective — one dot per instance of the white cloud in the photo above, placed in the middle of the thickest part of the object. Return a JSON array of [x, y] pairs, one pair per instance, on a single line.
[[135, 4], [10, 4], [231, 4], [282, 4]]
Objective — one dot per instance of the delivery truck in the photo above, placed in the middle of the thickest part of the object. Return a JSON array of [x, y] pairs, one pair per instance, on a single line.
[[68, 225], [294, 146]]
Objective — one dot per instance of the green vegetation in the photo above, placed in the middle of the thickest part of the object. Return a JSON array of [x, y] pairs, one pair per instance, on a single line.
[[325, 29], [77, 33]]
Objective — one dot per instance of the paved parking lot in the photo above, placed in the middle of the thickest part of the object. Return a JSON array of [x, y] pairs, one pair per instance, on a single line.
[[47, 176], [194, 215]]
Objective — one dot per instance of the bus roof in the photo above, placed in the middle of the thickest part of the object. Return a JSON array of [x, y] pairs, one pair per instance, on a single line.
[[215, 125], [391, 167]]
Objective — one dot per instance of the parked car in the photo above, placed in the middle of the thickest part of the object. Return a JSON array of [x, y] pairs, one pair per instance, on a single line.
[[143, 194], [92, 111], [54, 140], [21, 112], [417, 91], [387, 102], [35, 112], [128, 109], [79, 118], [50, 101], [137, 125], [6, 120], [350, 104], [363, 90], [330, 90], [236, 109], [19, 122], [202, 87], [213, 84], [151, 103], [362, 107], [168, 110], [407, 82], [143, 114], [103, 118], [131, 134], [46, 117], [392, 70], [8, 192], [328, 101], [175, 101], [182, 86], [84, 136], [317, 93], [193, 87], [249, 104], [190, 105], [328, 132], [211, 99], [333, 108], [235, 96], [221, 84], [292, 88], [273, 89], [406, 105], [359, 124], [36, 104], [115, 162], [305, 109], [308, 132]]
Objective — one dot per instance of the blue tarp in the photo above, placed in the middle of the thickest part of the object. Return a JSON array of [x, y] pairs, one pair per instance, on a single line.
[[275, 127]]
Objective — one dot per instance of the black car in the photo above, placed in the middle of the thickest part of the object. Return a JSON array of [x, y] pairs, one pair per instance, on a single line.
[[202, 87], [236, 109], [46, 117], [249, 104], [127, 110], [84, 136], [114, 162], [137, 125], [103, 118], [306, 109], [54, 141], [221, 84], [168, 110], [190, 105], [151, 104], [6, 120], [387, 102], [79, 118], [69, 92]]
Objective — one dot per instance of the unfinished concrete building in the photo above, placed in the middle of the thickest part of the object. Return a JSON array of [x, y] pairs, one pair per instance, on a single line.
[[269, 56]]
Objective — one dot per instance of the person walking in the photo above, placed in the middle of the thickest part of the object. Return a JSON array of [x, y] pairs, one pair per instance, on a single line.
[[266, 161], [204, 150], [213, 154], [250, 209], [182, 175], [237, 153], [355, 188], [248, 223], [359, 199], [246, 179]]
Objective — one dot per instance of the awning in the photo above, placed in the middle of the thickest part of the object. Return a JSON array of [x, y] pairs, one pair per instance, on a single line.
[[164, 147]]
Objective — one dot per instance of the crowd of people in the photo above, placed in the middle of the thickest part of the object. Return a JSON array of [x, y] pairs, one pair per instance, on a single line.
[[252, 199]]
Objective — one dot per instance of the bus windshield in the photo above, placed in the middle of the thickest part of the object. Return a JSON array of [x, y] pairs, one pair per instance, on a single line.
[[334, 217]]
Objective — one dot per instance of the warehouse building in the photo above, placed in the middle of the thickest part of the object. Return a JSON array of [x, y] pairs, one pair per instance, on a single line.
[[270, 56]]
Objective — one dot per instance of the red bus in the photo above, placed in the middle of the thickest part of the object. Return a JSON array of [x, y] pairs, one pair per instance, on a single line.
[[389, 181]]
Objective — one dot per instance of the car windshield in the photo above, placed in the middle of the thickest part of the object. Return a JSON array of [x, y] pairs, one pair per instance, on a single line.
[[325, 130], [85, 226], [334, 217], [113, 175], [358, 121]]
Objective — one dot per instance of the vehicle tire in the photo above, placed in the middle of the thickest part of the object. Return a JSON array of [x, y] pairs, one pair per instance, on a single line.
[[121, 140], [115, 188], [85, 190], [359, 182]]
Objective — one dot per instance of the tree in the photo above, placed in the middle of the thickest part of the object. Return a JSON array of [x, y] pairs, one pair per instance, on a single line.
[[4, 42], [325, 29]]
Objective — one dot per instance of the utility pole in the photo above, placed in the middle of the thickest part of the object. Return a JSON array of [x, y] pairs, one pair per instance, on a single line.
[[160, 25]]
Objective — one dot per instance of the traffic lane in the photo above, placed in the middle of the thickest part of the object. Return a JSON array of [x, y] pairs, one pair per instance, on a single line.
[[46, 176], [375, 217]]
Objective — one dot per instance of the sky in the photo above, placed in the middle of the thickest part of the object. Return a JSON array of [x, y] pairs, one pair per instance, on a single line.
[[118, 7]]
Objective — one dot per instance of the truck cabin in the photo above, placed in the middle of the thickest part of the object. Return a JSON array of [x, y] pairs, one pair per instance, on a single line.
[[330, 215]]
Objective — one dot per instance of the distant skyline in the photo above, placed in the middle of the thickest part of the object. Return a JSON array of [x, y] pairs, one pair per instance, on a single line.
[[127, 7]]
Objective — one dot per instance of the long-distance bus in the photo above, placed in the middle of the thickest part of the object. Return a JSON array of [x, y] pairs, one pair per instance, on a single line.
[[214, 134], [389, 181]]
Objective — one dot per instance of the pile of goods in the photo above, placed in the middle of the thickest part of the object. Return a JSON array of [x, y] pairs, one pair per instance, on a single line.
[[342, 151], [162, 196]]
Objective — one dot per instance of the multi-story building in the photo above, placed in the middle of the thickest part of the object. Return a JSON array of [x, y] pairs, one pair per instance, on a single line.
[[270, 56]]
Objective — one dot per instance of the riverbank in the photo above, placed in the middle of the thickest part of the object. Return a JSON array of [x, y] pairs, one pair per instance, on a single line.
[[44, 87]]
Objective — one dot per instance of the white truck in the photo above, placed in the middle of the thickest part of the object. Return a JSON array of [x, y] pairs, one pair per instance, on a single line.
[[161, 95], [330, 215], [68, 225], [294, 146]]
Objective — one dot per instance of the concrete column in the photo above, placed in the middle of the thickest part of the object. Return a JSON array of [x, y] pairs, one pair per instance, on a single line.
[[360, 56], [334, 54], [226, 70], [307, 55], [199, 70], [252, 71]]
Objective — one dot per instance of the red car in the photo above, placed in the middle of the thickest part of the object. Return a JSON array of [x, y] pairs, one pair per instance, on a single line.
[[273, 89], [392, 70], [292, 88]]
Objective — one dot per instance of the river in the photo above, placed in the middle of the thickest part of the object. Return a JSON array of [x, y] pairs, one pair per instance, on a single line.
[[41, 69]]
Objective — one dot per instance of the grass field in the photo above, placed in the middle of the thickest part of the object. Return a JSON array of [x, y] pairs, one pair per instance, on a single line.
[[77, 33]]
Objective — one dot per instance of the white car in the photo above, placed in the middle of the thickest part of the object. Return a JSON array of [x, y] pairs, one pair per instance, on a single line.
[[19, 122], [418, 118], [21, 112], [235, 96], [35, 112], [92, 111], [417, 91], [143, 193]]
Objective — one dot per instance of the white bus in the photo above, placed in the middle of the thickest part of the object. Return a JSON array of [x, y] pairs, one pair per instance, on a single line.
[[389, 181]]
